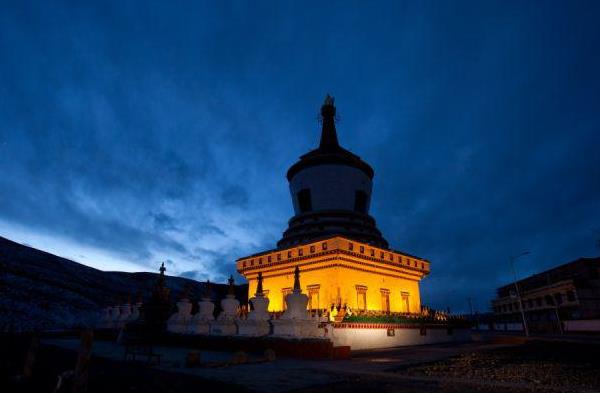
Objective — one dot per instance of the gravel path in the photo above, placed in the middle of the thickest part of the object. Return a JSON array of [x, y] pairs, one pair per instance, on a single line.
[[535, 365]]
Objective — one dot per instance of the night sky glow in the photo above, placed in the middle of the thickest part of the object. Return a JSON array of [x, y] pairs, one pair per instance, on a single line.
[[140, 132]]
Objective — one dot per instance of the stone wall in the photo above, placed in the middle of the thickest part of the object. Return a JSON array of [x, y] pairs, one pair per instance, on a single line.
[[375, 336], [509, 326], [584, 325]]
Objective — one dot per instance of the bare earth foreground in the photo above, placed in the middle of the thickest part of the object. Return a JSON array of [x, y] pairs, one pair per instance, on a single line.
[[533, 366]]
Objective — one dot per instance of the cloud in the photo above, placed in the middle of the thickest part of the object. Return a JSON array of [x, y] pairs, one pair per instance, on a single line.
[[235, 196], [193, 274], [169, 139], [164, 222]]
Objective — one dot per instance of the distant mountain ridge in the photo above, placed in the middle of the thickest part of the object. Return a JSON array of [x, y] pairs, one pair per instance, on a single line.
[[39, 290]]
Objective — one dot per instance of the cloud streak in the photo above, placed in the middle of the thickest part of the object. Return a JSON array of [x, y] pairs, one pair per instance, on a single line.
[[146, 133]]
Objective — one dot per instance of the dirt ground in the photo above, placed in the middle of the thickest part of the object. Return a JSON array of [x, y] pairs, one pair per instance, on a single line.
[[530, 367], [537, 364], [104, 375]]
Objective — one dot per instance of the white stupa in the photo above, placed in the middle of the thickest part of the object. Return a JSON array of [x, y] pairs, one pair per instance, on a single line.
[[179, 322], [200, 323], [296, 321], [257, 322], [225, 323]]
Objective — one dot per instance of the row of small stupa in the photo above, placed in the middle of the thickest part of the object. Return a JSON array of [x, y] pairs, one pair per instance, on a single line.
[[295, 321], [116, 317]]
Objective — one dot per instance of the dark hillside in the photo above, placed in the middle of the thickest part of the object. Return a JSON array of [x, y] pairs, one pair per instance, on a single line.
[[39, 290]]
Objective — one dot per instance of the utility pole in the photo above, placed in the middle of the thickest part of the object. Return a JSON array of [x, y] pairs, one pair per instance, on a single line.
[[560, 329], [512, 266], [472, 315]]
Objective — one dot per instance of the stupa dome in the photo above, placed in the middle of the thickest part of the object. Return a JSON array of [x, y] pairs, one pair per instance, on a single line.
[[331, 191]]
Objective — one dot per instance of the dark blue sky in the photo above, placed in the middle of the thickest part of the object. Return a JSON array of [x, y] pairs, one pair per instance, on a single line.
[[132, 133]]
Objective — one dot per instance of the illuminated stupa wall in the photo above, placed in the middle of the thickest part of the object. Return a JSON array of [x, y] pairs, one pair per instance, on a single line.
[[343, 256]]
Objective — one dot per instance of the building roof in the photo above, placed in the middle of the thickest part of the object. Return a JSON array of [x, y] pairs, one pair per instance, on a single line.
[[580, 269], [327, 237]]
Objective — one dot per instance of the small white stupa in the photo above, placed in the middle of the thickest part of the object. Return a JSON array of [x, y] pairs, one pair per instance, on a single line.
[[200, 323], [105, 321], [124, 314], [114, 317], [257, 322], [135, 311], [296, 321], [179, 322], [225, 323]]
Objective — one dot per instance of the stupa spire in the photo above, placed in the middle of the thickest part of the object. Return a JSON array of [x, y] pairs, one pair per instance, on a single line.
[[231, 290], [297, 280], [206, 292], [329, 138], [259, 285]]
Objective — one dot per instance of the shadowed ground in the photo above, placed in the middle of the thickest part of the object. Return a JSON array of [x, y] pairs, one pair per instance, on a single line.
[[511, 365]]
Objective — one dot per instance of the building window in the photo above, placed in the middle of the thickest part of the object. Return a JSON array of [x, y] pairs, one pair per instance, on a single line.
[[244, 264], [289, 254], [252, 262], [279, 257], [269, 259], [361, 297], [549, 300], [538, 302], [284, 293], [350, 246], [372, 252], [312, 249], [559, 298], [360, 201], [530, 303], [300, 252], [570, 296], [324, 245], [385, 300], [304, 200], [260, 261], [313, 297], [381, 255], [405, 296], [362, 249]]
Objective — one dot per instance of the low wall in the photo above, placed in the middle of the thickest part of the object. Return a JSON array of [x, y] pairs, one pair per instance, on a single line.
[[584, 325], [305, 348], [376, 336], [509, 327]]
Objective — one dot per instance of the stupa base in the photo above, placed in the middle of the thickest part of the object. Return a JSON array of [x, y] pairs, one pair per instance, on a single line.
[[296, 328], [253, 328], [200, 328], [223, 328]]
